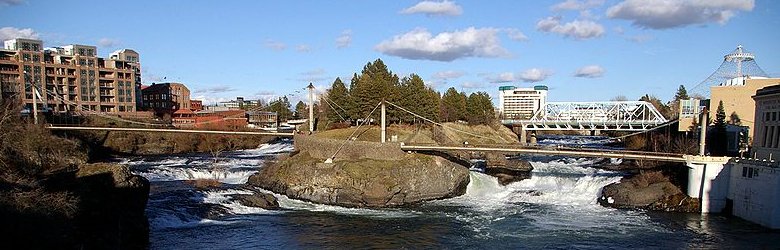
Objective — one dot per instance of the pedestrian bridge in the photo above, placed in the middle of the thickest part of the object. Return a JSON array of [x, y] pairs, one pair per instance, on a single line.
[[561, 151], [615, 116]]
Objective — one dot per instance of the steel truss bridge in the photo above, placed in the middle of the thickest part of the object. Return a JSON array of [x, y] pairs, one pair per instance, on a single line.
[[615, 116]]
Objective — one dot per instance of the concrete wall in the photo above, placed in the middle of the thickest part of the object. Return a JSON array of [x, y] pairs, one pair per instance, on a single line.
[[755, 191], [325, 148]]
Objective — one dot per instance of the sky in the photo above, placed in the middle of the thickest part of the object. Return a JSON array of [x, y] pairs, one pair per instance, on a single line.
[[583, 50]]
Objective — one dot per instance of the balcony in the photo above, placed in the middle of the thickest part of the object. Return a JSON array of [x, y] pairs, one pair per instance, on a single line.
[[107, 85]]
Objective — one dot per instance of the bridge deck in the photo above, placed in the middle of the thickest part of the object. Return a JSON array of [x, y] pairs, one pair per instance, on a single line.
[[634, 155], [171, 131]]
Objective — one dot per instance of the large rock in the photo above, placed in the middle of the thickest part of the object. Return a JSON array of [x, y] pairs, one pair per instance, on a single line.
[[261, 200], [649, 190], [112, 206], [364, 182], [507, 170]]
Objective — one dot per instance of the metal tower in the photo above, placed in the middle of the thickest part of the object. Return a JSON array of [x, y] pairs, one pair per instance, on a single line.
[[739, 63]]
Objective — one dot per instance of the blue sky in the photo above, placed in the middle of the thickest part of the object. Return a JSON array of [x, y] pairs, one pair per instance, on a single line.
[[584, 50]]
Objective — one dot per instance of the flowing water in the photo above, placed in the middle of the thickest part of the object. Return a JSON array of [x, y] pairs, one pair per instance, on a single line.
[[555, 208]]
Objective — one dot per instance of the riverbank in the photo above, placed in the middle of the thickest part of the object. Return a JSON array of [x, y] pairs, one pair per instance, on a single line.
[[51, 197]]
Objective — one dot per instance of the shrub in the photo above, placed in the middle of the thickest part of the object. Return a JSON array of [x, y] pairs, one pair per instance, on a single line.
[[645, 179]]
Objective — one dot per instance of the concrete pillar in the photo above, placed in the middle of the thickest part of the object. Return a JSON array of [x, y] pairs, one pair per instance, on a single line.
[[708, 180], [523, 135]]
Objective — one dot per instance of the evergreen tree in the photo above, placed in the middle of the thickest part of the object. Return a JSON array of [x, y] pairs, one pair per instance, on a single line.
[[376, 83], [282, 108], [718, 142], [681, 94], [301, 110], [337, 97], [453, 106], [418, 98], [480, 109]]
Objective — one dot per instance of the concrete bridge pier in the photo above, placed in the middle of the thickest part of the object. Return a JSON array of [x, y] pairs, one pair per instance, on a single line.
[[708, 180], [520, 131]]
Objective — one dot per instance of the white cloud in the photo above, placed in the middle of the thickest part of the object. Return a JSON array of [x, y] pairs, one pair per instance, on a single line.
[[303, 48], [590, 71], [516, 35], [664, 14], [578, 29], [449, 74], [108, 42], [577, 5], [419, 44], [275, 45], [209, 100], [215, 90], [432, 8], [472, 85], [503, 77], [10, 2], [344, 40], [316, 75], [535, 75], [8, 33]]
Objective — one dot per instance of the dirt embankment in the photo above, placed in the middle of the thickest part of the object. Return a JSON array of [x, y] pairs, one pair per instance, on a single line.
[[51, 198]]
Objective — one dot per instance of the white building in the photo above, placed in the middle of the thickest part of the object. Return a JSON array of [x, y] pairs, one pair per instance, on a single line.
[[520, 103], [755, 183]]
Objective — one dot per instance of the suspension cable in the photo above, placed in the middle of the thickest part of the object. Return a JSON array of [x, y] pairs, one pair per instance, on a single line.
[[442, 125], [353, 132]]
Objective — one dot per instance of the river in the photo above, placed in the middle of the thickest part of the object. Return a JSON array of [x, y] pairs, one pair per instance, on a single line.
[[555, 208]]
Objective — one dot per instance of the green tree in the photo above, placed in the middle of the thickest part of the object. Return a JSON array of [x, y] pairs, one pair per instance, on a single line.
[[375, 83], [418, 98], [718, 142], [301, 110], [453, 106], [480, 109], [282, 108], [337, 102], [681, 94], [734, 119]]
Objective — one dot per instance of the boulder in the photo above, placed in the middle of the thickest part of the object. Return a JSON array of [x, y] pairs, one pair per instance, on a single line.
[[364, 182], [112, 206], [507, 170], [648, 190], [261, 200]]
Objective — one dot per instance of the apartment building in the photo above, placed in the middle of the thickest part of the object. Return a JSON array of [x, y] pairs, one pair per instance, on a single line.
[[520, 103], [69, 78]]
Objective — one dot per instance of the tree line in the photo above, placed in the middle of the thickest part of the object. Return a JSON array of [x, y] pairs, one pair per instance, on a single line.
[[376, 83]]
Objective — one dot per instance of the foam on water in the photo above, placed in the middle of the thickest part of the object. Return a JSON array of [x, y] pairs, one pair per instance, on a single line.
[[223, 198]]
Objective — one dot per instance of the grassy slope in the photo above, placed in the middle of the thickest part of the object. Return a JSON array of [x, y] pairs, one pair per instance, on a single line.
[[496, 134]]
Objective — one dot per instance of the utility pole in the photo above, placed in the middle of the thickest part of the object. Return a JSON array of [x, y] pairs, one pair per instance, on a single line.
[[311, 107], [384, 124]]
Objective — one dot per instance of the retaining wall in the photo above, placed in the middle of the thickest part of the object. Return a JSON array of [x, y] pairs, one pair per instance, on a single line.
[[325, 148]]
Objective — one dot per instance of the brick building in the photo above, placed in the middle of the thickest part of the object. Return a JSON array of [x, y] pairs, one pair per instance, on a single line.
[[71, 77]]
